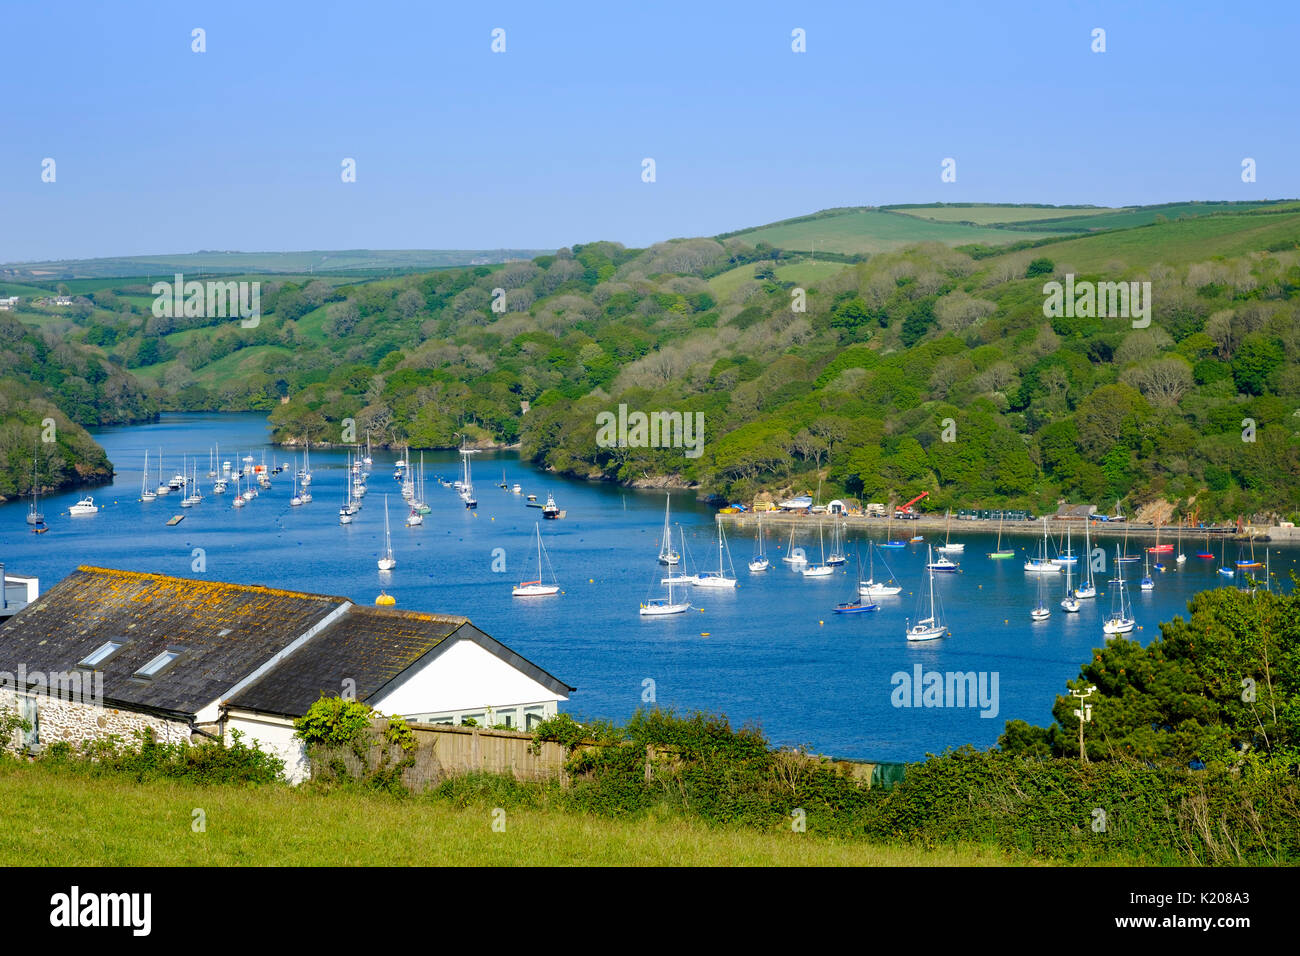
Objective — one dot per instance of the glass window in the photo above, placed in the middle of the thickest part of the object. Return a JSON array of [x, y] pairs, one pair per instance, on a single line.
[[155, 666], [106, 650]]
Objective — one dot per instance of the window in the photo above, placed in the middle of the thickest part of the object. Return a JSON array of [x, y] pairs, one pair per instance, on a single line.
[[158, 664], [103, 653], [29, 710]]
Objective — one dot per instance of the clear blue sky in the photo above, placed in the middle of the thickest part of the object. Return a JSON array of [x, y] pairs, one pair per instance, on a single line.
[[159, 149]]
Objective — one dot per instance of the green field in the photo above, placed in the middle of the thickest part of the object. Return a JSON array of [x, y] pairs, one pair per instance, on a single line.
[[808, 272], [357, 261], [988, 215], [1178, 242], [866, 231], [114, 821]]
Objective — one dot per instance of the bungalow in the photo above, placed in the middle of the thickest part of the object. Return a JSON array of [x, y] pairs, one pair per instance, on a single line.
[[108, 652]]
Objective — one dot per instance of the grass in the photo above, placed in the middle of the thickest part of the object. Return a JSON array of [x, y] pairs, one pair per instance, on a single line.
[[725, 283], [858, 231], [986, 215], [113, 821], [1176, 242]]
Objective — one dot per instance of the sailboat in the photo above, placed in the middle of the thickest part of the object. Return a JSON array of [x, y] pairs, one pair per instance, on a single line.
[[1207, 554], [680, 574], [719, 578], [1040, 611], [1226, 571], [296, 499], [871, 587], [855, 604], [791, 556], [537, 588], [998, 554], [661, 606], [467, 489], [146, 493], [819, 570], [1147, 583], [891, 542], [667, 554], [1070, 603], [930, 627], [949, 546], [387, 562], [304, 476], [501, 484], [348, 511], [163, 488], [1120, 621], [1042, 564], [1086, 588], [34, 516], [837, 546], [240, 500], [1182, 558], [760, 562]]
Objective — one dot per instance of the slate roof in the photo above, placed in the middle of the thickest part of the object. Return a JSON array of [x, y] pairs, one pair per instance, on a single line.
[[226, 630], [370, 646]]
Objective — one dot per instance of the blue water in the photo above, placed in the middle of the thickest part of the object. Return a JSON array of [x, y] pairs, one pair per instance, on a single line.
[[771, 653]]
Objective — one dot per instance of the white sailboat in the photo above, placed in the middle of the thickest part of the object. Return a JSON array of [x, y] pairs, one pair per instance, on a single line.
[[145, 493], [1042, 564], [718, 578], [537, 588], [1069, 603], [819, 570], [837, 556], [1040, 611], [304, 476], [791, 556], [930, 627], [760, 562], [662, 606], [1120, 620], [34, 516], [873, 588], [163, 488], [240, 500], [949, 546], [1086, 588], [667, 554], [387, 562], [296, 498]]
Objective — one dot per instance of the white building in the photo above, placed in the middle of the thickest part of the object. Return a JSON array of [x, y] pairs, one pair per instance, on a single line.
[[190, 657], [8, 303]]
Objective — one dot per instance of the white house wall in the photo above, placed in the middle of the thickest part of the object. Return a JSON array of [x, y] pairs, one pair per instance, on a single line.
[[465, 677], [272, 735]]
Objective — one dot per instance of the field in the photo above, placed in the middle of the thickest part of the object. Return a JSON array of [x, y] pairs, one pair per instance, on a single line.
[[859, 231], [362, 261], [114, 821], [1177, 242], [807, 272], [985, 215]]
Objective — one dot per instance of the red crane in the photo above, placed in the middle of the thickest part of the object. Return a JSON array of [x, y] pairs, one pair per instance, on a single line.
[[907, 508]]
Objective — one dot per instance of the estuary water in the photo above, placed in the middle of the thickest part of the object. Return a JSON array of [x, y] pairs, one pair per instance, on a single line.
[[771, 652]]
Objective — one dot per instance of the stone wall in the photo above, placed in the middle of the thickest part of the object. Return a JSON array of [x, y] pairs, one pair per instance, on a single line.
[[75, 721]]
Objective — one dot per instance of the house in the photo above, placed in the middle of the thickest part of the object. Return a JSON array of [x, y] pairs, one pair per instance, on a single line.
[[62, 300], [8, 303], [113, 652], [19, 591]]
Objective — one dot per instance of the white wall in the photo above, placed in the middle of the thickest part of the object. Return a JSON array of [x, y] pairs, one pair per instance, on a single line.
[[274, 735], [464, 677]]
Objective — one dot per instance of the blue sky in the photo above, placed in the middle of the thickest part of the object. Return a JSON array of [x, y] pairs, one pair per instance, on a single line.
[[160, 149]]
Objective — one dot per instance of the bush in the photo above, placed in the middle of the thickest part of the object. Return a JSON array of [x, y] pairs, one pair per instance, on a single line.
[[208, 762]]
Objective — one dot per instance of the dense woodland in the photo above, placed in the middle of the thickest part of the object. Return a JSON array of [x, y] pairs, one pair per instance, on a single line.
[[853, 393]]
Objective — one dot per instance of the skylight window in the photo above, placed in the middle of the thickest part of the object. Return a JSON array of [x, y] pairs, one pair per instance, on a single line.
[[158, 664], [101, 654]]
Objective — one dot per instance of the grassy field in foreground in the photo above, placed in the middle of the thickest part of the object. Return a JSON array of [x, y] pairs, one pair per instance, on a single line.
[[111, 821]]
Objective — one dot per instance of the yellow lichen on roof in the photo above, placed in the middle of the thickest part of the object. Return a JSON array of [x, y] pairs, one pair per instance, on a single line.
[[214, 589]]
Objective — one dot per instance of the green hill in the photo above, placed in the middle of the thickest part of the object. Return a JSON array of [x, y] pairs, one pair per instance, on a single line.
[[850, 392]]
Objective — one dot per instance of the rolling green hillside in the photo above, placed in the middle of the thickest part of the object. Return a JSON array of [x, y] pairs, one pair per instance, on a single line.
[[852, 391]]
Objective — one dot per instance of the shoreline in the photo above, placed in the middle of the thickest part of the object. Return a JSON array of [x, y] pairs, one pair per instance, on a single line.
[[902, 529]]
